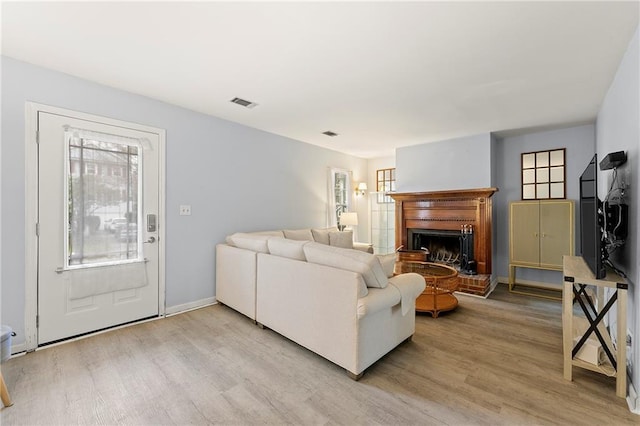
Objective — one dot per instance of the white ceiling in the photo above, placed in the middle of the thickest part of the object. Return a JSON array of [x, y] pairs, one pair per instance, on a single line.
[[381, 75]]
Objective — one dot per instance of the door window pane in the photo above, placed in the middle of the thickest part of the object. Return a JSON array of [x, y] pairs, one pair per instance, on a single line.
[[102, 215]]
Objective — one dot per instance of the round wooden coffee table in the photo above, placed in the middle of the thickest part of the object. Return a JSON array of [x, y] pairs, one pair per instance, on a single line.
[[441, 282]]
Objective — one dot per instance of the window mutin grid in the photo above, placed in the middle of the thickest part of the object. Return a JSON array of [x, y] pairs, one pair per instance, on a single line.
[[385, 182], [543, 174]]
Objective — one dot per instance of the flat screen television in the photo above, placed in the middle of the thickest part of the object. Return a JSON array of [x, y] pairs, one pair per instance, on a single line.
[[591, 221]]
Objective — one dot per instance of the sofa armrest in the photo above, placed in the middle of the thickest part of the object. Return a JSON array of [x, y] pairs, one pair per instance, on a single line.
[[377, 300], [236, 278], [365, 247], [410, 286]]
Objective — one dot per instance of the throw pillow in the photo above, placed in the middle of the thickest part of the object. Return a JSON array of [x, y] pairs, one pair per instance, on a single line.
[[291, 249], [253, 242], [388, 262], [341, 239], [320, 236], [298, 234], [350, 260]]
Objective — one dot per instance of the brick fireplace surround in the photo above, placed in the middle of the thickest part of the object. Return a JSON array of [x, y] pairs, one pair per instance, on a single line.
[[449, 210]]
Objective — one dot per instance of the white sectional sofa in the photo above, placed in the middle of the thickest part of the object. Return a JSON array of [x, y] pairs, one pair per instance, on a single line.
[[340, 303]]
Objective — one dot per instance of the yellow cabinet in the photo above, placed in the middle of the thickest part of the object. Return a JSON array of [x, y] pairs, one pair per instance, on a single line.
[[540, 233]]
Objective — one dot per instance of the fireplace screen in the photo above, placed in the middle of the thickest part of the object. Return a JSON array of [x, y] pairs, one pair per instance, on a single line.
[[443, 246]]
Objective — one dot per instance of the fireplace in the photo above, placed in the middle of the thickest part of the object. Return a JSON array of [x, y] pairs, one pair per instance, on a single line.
[[439, 218]]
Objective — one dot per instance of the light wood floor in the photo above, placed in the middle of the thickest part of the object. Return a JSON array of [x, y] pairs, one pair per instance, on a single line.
[[495, 361]]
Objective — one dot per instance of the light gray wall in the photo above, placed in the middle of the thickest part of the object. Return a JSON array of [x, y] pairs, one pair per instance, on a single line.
[[580, 144], [494, 218], [235, 178], [460, 163], [618, 129]]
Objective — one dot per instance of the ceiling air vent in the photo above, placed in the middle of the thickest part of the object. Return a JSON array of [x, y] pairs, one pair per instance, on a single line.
[[244, 103], [330, 133]]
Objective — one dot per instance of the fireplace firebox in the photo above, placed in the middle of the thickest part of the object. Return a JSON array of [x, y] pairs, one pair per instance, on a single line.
[[452, 248], [442, 246]]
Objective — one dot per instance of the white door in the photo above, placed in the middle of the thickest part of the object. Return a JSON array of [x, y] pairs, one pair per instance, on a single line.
[[98, 215]]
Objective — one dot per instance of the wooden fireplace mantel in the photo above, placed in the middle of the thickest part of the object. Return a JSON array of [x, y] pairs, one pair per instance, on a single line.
[[455, 193], [448, 210]]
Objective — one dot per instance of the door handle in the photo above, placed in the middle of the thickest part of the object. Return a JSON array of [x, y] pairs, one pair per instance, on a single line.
[[151, 240]]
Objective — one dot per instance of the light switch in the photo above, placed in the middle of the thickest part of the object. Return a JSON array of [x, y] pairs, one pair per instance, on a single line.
[[185, 210]]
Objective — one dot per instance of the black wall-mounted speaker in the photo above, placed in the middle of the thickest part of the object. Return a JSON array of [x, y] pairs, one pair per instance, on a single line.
[[613, 159]]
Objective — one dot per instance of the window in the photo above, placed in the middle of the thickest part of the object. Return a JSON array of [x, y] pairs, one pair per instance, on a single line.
[[339, 194], [543, 174], [385, 182], [102, 218]]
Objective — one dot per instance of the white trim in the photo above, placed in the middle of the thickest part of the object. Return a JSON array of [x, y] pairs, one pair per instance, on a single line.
[[31, 217], [185, 307], [162, 213], [31, 208], [633, 400]]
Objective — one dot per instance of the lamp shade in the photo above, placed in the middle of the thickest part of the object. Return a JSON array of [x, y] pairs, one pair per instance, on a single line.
[[362, 186], [349, 218]]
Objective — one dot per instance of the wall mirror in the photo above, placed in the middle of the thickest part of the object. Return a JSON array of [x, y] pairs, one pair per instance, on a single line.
[[543, 174]]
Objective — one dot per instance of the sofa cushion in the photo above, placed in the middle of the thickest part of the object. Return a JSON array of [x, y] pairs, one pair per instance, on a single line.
[[351, 260], [269, 233], [291, 249], [388, 262], [252, 242], [298, 234], [342, 239], [322, 235]]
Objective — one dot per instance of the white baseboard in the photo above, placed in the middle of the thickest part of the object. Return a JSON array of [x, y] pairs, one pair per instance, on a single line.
[[633, 400], [178, 309], [493, 285]]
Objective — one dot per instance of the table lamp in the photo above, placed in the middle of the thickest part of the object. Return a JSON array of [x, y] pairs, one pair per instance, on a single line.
[[348, 219]]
